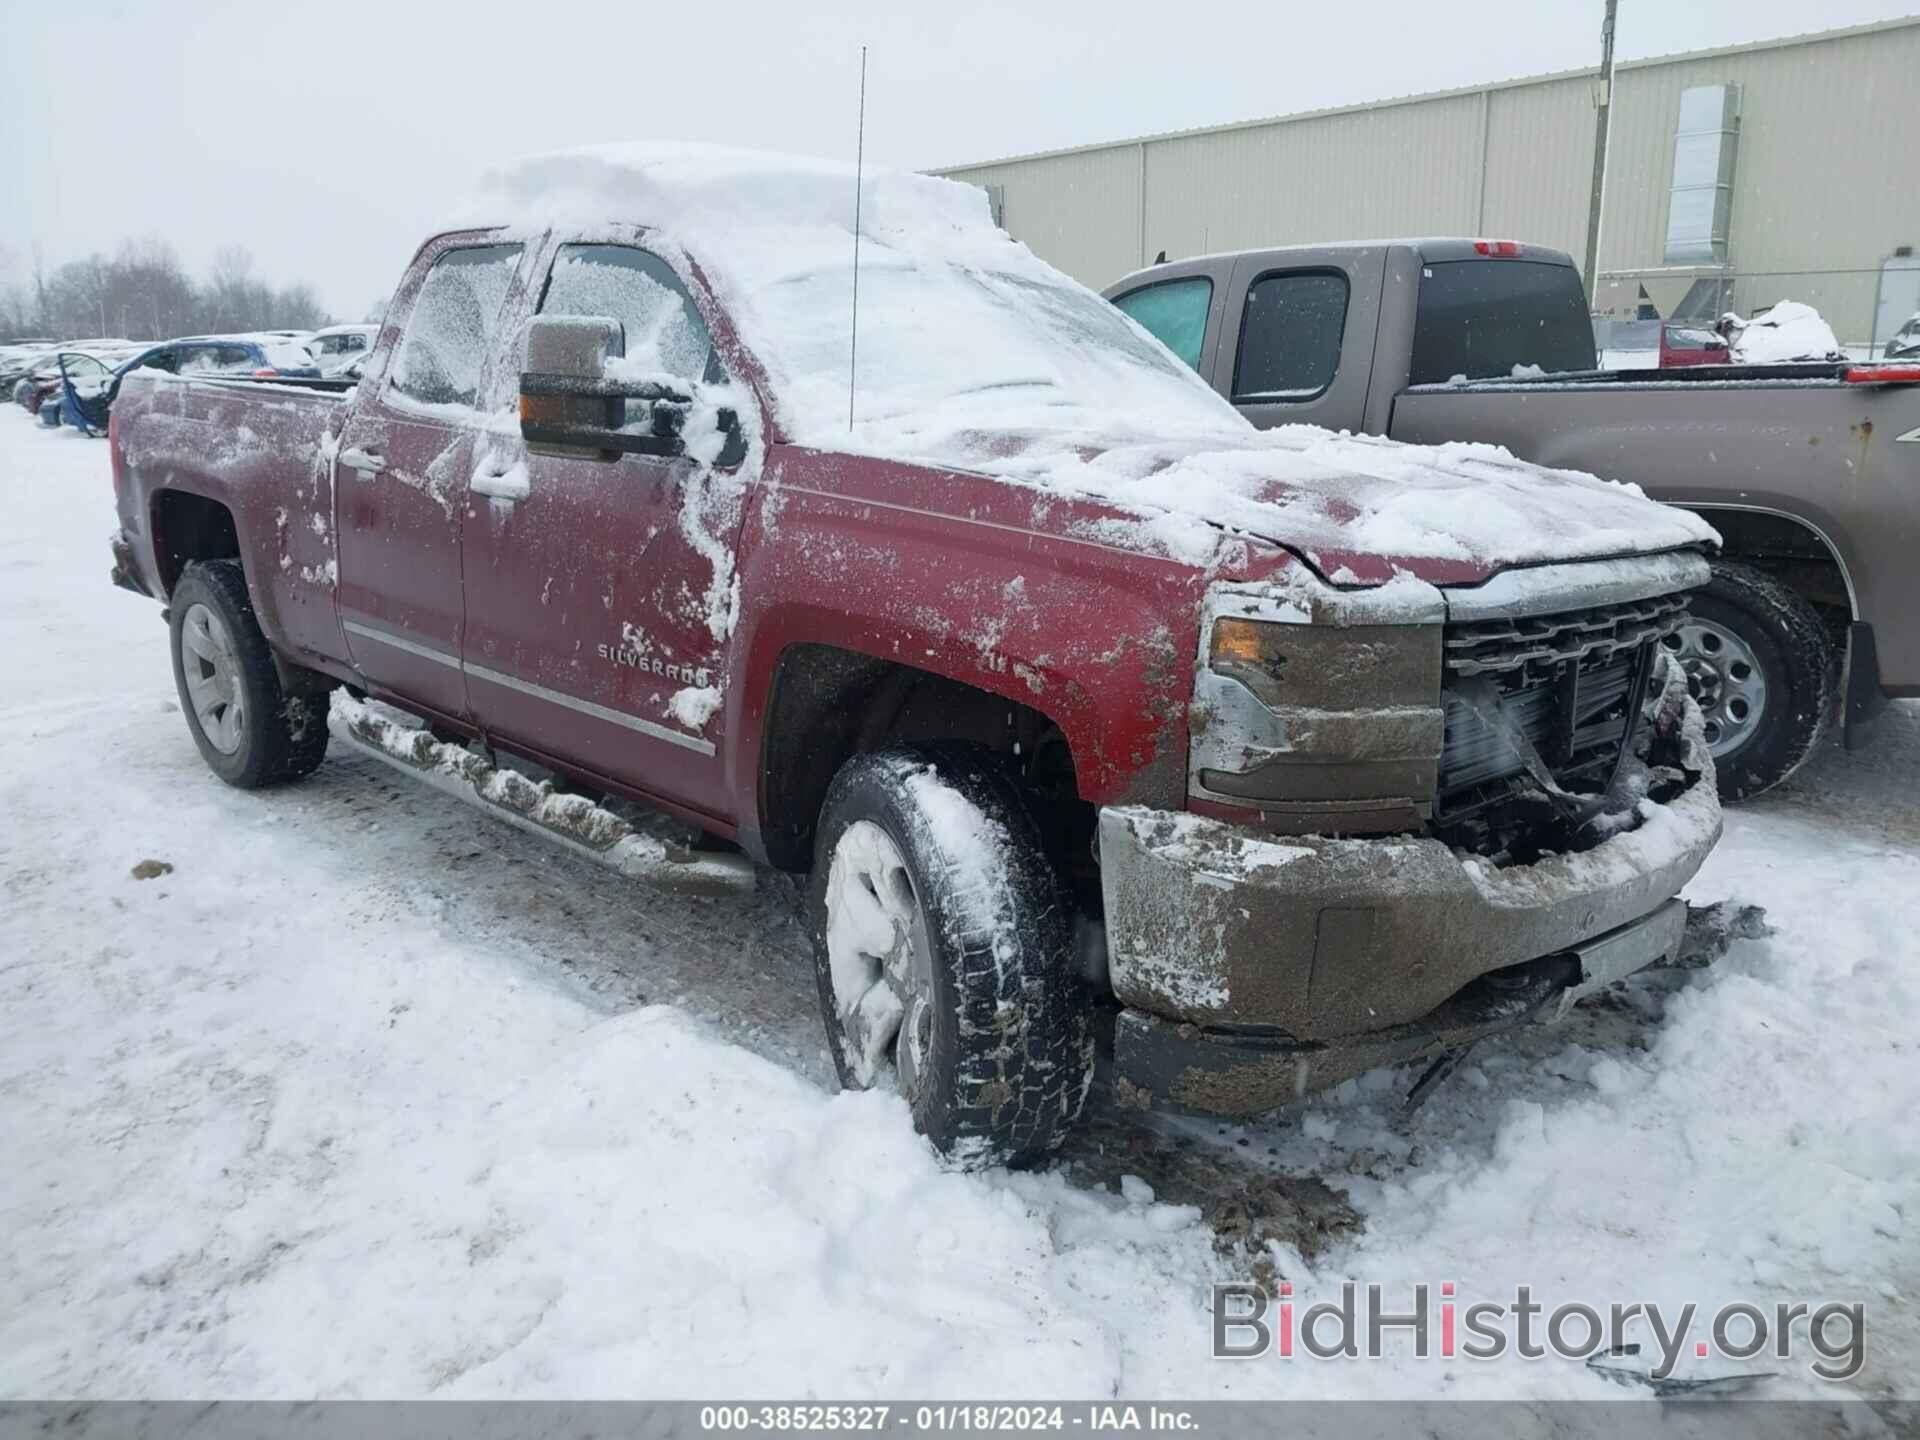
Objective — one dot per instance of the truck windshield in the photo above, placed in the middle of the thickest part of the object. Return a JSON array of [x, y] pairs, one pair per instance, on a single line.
[[950, 345], [1490, 319]]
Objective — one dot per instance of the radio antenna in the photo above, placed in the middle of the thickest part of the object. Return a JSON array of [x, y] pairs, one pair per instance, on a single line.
[[859, 171]]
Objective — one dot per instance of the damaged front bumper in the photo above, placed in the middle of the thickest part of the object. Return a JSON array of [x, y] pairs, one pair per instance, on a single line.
[[1255, 970]]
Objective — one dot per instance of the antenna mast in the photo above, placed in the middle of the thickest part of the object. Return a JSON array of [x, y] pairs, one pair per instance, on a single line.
[[859, 171]]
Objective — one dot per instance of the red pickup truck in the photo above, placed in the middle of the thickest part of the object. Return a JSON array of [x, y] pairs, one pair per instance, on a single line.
[[1079, 699]]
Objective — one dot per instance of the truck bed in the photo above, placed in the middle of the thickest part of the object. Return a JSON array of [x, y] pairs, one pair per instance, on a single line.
[[258, 447]]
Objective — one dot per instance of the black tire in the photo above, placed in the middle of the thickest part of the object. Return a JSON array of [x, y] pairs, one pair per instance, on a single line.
[[1011, 1050], [281, 737], [1795, 655]]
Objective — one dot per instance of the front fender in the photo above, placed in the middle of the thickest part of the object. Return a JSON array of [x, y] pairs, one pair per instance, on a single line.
[[1098, 639]]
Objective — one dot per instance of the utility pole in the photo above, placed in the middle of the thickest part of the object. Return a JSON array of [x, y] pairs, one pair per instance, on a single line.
[[1603, 102]]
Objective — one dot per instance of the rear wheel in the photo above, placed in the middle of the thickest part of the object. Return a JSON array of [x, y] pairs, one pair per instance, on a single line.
[[942, 948], [1759, 663], [247, 728]]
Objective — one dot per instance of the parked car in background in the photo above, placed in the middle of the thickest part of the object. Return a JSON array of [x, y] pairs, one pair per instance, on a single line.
[[264, 357], [66, 386], [17, 356], [86, 386], [1054, 643], [1692, 345], [20, 361], [1808, 471], [40, 382], [338, 346], [1905, 344]]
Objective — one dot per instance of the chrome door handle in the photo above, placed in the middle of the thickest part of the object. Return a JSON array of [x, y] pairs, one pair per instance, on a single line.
[[364, 461]]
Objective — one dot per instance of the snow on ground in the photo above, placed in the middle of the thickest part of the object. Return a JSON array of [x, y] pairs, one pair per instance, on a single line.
[[370, 1096]]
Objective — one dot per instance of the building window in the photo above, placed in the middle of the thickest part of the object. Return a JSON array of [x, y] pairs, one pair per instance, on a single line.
[[1174, 312], [1290, 337]]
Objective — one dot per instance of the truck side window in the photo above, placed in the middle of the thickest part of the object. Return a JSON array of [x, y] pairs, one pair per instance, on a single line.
[[452, 326], [1290, 336], [665, 333], [1174, 312]]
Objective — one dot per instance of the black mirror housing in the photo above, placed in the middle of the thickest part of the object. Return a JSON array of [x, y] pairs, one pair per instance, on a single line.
[[569, 405]]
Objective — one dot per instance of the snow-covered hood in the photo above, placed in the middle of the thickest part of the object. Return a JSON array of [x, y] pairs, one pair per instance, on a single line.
[[1358, 508]]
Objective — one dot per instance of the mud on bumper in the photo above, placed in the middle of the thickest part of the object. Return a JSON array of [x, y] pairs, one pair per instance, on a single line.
[[1255, 970]]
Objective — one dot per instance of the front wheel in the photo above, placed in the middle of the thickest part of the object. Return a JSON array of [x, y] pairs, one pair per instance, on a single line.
[[1759, 662], [942, 950], [248, 730]]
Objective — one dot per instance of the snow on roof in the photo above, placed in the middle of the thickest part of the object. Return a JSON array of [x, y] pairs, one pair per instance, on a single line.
[[975, 354], [701, 186]]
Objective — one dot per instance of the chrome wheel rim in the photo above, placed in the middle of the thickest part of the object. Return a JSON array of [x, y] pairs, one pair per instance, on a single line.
[[213, 678], [1725, 679], [879, 960]]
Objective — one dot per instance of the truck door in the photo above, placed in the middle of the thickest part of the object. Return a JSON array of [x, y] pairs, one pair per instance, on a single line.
[[599, 591], [1301, 344], [401, 472]]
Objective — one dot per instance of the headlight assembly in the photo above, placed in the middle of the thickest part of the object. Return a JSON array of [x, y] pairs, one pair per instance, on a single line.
[[1320, 707]]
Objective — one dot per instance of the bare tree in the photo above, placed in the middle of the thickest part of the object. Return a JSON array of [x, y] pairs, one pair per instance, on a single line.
[[144, 293]]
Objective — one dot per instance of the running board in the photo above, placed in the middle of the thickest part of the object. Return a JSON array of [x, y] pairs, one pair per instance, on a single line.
[[572, 821]]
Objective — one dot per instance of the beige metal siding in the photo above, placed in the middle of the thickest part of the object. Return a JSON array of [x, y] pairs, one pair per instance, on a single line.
[[1366, 173], [1079, 211], [1823, 182], [1827, 132], [1539, 164]]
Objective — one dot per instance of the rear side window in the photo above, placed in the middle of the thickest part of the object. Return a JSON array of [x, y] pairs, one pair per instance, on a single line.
[[452, 327], [665, 333], [217, 359], [1487, 319], [1174, 312], [1290, 336]]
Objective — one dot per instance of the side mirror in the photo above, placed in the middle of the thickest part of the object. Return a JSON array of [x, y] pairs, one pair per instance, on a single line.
[[569, 405]]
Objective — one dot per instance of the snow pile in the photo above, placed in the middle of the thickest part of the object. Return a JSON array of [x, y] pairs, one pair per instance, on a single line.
[[364, 1097], [1787, 332], [977, 355]]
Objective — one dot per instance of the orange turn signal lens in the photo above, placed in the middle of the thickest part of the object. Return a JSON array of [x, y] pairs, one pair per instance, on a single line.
[[1242, 642]]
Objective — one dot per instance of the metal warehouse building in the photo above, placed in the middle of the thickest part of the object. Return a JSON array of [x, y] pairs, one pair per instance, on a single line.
[[1787, 169]]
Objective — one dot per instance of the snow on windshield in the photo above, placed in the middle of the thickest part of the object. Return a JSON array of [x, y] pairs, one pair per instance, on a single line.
[[961, 327], [946, 345]]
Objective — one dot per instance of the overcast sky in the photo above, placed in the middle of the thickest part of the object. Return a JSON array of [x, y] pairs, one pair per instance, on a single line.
[[330, 138]]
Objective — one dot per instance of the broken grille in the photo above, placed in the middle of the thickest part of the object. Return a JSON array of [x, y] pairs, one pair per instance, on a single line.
[[1568, 685], [1497, 647]]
